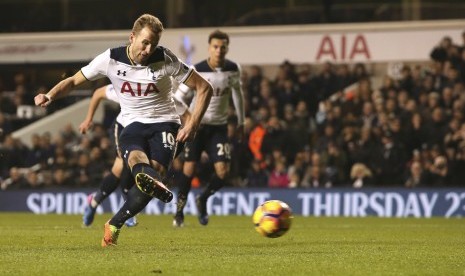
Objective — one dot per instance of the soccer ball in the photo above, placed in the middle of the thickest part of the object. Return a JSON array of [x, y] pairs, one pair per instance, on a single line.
[[272, 218]]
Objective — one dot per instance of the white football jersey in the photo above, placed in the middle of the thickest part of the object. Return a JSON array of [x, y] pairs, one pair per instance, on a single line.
[[225, 81], [111, 95], [144, 91]]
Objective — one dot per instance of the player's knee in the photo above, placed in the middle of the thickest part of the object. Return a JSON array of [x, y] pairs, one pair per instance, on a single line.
[[222, 170], [136, 157], [188, 169], [222, 173], [117, 167], [158, 167]]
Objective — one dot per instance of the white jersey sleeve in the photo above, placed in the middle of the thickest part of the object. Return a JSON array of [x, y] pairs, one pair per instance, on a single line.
[[238, 97], [176, 68], [98, 67], [181, 107], [184, 94], [110, 93]]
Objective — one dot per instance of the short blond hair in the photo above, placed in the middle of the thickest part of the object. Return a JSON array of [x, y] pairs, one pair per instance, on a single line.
[[360, 170], [147, 20]]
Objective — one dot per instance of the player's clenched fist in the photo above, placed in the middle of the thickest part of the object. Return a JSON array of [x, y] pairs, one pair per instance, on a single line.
[[42, 100]]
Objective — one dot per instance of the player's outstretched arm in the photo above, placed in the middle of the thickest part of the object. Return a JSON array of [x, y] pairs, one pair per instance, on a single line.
[[204, 92], [97, 97], [60, 90], [183, 111]]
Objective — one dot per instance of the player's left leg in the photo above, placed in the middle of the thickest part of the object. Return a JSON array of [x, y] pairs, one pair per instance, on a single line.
[[219, 151], [139, 142], [107, 186], [127, 182], [217, 181]]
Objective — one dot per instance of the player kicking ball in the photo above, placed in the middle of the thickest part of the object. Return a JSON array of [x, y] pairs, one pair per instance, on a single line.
[[119, 173], [142, 74]]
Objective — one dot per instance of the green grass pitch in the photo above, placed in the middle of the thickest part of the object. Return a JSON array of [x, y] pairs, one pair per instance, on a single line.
[[58, 245]]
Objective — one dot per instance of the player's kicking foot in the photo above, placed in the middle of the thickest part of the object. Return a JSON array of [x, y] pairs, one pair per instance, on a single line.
[[152, 187], [110, 235], [89, 212], [202, 209], [131, 222], [178, 220]]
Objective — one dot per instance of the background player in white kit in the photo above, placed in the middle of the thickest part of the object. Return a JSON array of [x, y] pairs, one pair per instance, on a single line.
[[225, 77], [119, 173], [142, 74]]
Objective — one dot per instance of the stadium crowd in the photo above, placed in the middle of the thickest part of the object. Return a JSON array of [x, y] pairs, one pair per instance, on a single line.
[[304, 129]]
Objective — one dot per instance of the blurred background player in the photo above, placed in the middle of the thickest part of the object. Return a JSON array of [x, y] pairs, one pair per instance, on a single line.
[[142, 73], [119, 172], [225, 77]]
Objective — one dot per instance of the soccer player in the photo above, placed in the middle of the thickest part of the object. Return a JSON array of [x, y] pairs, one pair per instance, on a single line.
[[142, 74], [225, 77], [119, 173]]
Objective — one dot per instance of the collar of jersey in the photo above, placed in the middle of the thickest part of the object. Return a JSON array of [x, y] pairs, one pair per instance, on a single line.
[[129, 57]]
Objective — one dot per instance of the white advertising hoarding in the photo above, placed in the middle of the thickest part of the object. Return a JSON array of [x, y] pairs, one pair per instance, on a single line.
[[348, 43]]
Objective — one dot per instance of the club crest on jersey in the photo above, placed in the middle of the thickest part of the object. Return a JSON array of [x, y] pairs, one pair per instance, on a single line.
[[155, 70], [139, 89]]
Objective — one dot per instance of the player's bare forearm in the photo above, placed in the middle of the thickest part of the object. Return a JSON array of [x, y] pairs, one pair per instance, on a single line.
[[97, 97], [59, 90], [201, 104], [204, 92], [185, 117], [193, 121]]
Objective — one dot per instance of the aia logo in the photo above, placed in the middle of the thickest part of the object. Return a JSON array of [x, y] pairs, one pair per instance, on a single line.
[[121, 73], [139, 89]]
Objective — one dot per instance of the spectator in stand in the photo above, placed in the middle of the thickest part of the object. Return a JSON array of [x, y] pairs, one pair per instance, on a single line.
[[416, 177], [447, 100], [307, 89], [278, 177], [436, 127], [406, 81], [440, 52], [329, 135], [363, 149], [33, 180], [461, 65], [81, 173], [336, 164], [391, 163], [288, 93], [315, 177], [344, 77], [60, 178], [256, 137], [361, 175], [368, 117], [297, 169], [254, 83], [16, 179], [7, 106], [326, 82], [438, 174], [360, 72], [257, 177], [416, 133], [13, 152], [274, 136]]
